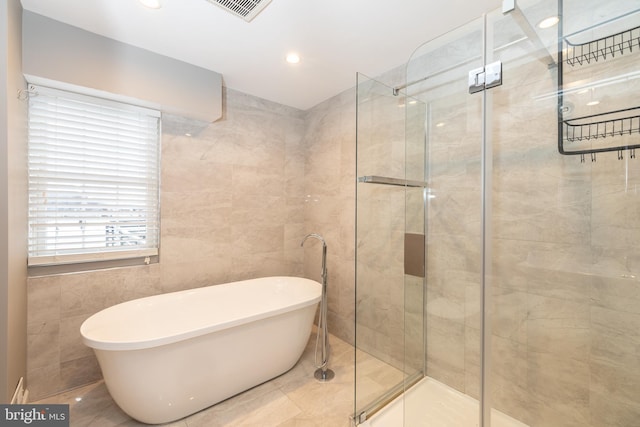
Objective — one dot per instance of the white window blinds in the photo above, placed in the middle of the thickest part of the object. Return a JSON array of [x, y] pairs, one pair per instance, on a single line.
[[93, 179]]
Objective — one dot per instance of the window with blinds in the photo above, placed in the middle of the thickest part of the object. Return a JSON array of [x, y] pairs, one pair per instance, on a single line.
[[93, 179]]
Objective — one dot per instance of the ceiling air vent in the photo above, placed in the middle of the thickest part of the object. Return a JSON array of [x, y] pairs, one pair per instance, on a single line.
[[245, 9]]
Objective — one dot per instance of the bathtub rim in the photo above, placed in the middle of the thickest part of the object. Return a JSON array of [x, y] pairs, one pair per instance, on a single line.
[[122, 345]]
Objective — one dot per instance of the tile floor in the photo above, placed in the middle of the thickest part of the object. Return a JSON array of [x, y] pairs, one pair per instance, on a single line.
[[294, 399]]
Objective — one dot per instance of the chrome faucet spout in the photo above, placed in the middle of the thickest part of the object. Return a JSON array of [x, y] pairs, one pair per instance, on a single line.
[[315, 236]]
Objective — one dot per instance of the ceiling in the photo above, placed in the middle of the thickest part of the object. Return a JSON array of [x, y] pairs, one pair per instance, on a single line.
[[335, 38]]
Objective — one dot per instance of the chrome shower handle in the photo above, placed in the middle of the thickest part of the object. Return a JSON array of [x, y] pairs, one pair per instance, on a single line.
[[323, 273]]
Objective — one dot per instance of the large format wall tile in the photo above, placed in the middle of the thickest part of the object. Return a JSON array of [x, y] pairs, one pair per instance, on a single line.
[[231, 209]]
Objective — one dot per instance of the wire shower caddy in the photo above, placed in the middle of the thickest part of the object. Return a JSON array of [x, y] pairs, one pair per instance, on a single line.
[[575, 132]]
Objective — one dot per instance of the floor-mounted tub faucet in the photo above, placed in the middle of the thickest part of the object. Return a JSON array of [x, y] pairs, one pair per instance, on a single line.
[[322, 373]]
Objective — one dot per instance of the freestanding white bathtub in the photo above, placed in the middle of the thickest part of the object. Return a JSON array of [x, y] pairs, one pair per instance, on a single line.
[[167, 356]]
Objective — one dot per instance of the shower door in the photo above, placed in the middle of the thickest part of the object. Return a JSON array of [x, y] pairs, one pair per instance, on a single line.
[[390, 204], [437, 76]]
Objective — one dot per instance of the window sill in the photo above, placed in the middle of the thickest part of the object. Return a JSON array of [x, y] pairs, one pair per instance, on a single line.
[[51, 270]]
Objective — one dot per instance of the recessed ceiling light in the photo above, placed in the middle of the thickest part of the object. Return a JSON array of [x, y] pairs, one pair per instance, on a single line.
[[548, 22], [439, 125], [592, 103], [151, 4], [293, 58]]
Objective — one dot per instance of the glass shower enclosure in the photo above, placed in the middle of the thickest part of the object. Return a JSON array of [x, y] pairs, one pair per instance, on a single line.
[[390, 286], [497, 252]]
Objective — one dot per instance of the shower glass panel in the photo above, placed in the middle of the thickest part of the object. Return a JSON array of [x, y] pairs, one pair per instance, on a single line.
[[534, 211], [416, 191], [389, 303], [437, 75]]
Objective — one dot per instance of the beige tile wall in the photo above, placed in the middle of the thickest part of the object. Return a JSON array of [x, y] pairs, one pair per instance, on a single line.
[[233, 207], [329, 203]]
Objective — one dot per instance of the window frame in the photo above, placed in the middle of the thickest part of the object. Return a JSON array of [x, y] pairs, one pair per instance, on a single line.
[[103, 256]]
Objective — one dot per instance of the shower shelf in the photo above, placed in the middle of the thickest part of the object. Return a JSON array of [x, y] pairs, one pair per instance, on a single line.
[[385, 180], [619, 43], [610, 124], [595, 128]]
